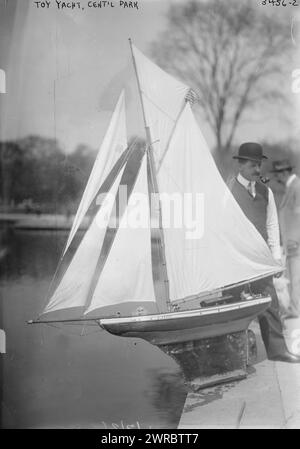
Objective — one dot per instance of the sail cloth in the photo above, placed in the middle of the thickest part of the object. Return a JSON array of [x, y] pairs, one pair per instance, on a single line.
[[114, 143], [73, 289], [221, 246], [163, 99], [127, 273]]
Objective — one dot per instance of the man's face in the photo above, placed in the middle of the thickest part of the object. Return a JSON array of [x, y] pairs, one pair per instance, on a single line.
[[250, 170]]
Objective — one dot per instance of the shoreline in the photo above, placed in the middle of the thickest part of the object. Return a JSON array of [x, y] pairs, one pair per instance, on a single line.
[[47, 222]]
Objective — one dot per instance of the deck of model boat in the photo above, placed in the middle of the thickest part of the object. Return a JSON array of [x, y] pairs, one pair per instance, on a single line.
[[188, 325], [188, 313]]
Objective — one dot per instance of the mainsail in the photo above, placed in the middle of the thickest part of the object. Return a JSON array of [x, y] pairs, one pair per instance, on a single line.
[[217, 245], [113, 144]]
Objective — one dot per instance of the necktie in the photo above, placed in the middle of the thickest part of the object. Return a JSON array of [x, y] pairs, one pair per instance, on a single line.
[[251, 189]]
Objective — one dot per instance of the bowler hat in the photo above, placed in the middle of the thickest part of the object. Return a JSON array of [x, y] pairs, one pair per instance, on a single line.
[[250, 151], [282, 165]]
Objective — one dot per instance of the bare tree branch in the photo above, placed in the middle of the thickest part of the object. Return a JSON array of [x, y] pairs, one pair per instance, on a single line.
[[228, 52]]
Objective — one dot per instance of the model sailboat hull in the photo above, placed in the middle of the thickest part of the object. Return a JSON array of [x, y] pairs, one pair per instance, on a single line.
[[178, 327]]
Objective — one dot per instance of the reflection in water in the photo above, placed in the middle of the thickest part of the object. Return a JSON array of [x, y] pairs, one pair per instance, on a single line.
[[169, 392], [35, 254], [56, 377]]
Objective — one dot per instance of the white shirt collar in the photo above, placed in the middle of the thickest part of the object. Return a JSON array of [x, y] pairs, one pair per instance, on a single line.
[[244, 181], [290, 179]]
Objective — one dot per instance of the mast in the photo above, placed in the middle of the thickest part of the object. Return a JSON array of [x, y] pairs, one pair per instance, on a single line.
[[155, 187]]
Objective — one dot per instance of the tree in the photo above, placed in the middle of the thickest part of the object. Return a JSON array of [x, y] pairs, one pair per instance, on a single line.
[[11, 164], [77, 168], [230, 53], [42, 171], [35, 168]]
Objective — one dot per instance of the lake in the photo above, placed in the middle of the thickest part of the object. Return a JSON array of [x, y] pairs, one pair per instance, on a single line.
[[66, 376]]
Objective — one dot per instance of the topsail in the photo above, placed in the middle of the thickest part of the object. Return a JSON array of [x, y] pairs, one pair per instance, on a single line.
[[163, 99]]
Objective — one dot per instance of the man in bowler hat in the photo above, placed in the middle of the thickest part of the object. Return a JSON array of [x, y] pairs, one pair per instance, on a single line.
[[289, 218], [258, 204]]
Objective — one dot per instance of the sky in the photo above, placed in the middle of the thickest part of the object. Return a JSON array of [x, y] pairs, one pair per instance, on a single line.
[[66, 68]]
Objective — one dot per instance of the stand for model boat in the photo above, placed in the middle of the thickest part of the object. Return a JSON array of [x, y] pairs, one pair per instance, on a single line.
[[212, 361]]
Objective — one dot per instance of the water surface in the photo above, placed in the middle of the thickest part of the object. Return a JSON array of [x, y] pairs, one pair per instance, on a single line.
[[69, 376]]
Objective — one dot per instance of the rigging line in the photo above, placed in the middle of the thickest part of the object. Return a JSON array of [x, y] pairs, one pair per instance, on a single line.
[[167, 171], [158, 107], [98, 331], [139, 88], [54, 109], [53, 325], [54, 119], [171, 134], [68, 331]]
